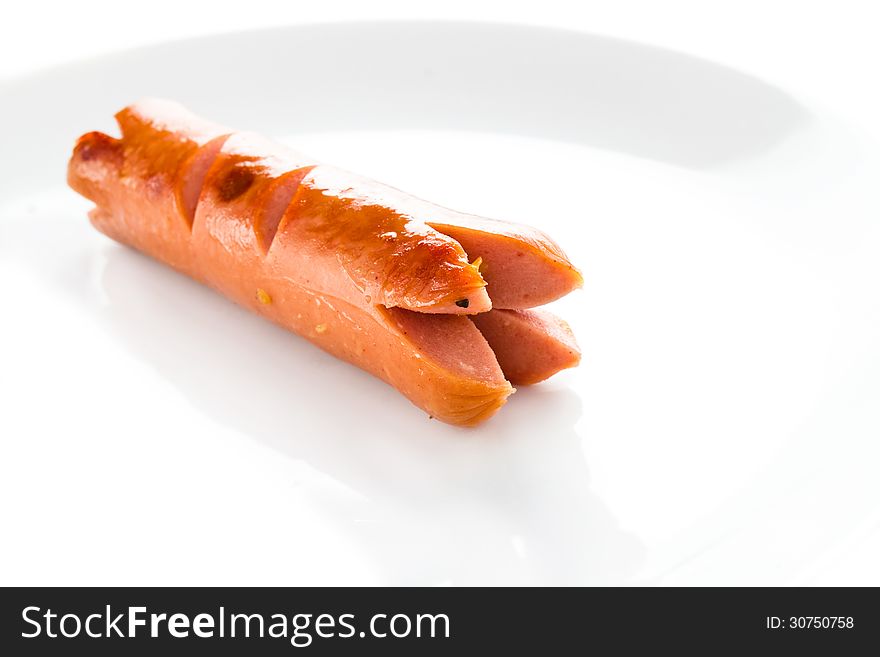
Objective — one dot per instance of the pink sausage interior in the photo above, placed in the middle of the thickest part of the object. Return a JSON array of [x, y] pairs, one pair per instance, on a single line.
[[522, 267], [194, 176], [530, 345], [452, 341]]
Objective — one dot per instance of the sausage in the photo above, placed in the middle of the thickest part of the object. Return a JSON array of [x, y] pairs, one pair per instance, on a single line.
[[370, 274], [530, 345]]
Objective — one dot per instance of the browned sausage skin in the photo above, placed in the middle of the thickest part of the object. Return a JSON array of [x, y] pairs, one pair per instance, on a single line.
[[364, 271]]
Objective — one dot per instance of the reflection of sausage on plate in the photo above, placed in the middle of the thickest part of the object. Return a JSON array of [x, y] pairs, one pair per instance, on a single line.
[[374, 276]]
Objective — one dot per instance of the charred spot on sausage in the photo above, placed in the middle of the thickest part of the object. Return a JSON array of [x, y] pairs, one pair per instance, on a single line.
[[235, 183]]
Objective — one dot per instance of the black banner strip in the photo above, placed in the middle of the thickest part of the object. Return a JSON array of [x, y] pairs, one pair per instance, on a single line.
[[392, 621]]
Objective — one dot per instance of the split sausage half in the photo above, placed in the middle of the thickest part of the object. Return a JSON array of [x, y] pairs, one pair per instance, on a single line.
[[530, 345]]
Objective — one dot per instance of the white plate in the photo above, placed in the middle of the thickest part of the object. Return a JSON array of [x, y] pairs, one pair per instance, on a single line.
[[722, 428]]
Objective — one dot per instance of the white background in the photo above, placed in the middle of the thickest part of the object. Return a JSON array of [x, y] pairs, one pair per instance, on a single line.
[[712, 507]]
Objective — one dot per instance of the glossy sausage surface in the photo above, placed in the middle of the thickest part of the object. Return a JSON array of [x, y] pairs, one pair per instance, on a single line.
[[370, 274]]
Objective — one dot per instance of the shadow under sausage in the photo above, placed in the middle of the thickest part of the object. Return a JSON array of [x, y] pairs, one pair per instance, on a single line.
[[507, 502]]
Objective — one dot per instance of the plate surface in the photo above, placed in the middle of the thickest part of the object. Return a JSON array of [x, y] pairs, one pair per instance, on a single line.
[[722, 428]]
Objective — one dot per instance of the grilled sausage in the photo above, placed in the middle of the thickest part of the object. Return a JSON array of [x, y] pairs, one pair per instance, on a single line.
[[372, 275]]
